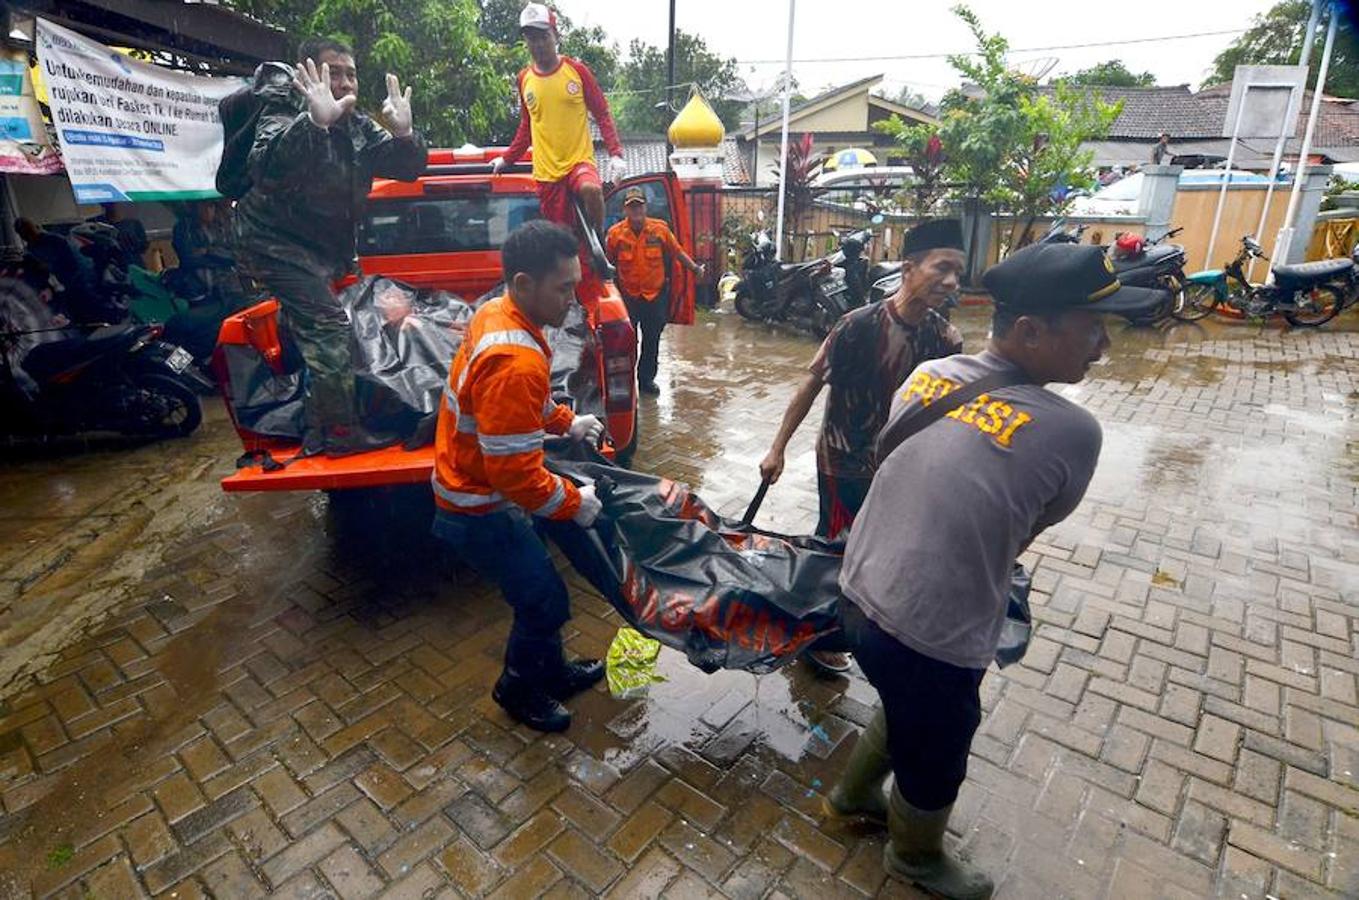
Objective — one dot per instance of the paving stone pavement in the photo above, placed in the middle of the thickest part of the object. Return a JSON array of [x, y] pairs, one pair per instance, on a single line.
[[293, 695]]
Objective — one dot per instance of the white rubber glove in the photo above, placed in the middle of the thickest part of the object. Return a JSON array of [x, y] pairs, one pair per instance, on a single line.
[[497, 164], [322, 107], [590, 507], [585, 428], [618, 169], [396, 109]]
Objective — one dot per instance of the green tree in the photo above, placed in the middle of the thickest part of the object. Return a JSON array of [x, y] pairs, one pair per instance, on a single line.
[[1042, 172], [907, 96], [592, 46], [1003, 141], [924, 152], [1108, 74], [290, 15], [500, 21], [1275, 38], [983, 122], [642, 82], [435, 46], [500, 27]]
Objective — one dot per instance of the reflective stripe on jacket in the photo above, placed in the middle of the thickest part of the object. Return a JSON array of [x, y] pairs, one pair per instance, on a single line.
[[497, 407]]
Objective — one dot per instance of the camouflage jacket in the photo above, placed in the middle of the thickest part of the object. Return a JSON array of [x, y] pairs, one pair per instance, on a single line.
[[308, 183]]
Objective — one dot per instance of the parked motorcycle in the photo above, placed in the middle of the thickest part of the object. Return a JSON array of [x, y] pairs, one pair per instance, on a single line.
[[191, 316], [1138, 262], [57, 379], [1306, 294], [1060, 234], [1153, 263], [98, 241], [811, 295], [853, 257]]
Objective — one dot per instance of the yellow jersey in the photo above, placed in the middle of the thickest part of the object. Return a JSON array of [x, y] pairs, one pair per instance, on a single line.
[[553, 109]]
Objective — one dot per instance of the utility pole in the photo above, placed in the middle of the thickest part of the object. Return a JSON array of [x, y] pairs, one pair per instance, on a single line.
[[670, 78], [1284, 246], [783, 151]]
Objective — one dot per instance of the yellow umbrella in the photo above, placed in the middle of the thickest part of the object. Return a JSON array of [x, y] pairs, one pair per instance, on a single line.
[[851, 158]]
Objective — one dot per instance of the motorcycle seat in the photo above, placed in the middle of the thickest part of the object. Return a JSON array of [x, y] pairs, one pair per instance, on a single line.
[[882, 270], [50, 359], [1311, 272], [1151, 256]]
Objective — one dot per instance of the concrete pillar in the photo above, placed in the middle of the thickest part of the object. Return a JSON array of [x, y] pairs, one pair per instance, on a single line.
[[1157, 200], [978, 223], [1309, 205]]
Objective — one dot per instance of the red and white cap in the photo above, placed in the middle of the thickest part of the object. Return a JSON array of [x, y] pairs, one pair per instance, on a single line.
[[537, 15]]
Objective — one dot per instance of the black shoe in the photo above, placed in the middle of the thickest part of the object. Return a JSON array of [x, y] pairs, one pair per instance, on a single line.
[[576, 677], [347, 440], [649, 387], [530, 705]]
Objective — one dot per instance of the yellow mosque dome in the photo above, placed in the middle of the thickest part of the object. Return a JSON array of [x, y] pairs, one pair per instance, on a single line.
[[696, 125]]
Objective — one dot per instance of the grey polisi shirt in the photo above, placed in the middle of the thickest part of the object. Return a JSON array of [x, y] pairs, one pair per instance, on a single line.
[[953, 506]]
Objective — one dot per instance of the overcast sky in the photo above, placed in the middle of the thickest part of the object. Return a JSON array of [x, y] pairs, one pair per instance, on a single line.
[[756, 30]]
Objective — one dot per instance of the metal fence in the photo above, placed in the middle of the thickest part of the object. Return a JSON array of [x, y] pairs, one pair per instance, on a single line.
[[818, 232]]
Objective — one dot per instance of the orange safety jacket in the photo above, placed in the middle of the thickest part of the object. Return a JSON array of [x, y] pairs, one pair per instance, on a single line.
[[643, 257], [496, 409]]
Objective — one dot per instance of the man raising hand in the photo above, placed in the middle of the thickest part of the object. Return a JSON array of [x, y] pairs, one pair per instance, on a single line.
[[311, 164]]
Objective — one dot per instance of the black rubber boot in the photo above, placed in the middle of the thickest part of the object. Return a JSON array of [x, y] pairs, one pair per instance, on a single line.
[[575, 677], [859, 796], [916, 853], [528, 703]]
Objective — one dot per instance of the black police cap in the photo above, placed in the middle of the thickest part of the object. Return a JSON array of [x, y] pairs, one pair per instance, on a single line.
[[1053, 278]]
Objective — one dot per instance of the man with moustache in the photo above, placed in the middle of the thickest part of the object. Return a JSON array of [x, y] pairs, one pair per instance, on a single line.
[[866, 357]]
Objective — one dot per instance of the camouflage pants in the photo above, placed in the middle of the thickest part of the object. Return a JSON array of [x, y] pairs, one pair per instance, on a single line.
[[320, 327]]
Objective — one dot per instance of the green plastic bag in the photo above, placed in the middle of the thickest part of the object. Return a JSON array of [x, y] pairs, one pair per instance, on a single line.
[[631, 663]]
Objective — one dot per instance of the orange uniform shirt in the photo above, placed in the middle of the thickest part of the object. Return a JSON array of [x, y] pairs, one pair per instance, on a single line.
[[497, 408], [641, 257], [552, 115]]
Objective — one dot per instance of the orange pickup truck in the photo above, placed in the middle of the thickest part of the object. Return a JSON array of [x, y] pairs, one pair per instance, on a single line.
[[444, 232]]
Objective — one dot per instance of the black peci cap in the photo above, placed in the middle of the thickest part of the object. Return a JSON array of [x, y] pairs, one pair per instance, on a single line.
[[1051, 278], [934, 234]]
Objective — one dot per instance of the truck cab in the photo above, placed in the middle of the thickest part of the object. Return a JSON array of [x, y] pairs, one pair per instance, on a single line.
[[444, 232]]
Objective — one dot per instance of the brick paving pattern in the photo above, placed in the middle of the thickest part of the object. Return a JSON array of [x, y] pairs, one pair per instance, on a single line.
[[294, 699]]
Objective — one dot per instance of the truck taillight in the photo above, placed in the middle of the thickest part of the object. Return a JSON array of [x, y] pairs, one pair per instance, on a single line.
[[618, 343]]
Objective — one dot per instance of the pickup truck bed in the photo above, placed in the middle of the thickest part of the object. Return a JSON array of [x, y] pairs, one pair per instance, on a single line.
[[377, 468]]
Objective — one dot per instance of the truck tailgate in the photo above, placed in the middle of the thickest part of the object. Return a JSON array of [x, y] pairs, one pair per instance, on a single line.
[[377, 468]]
